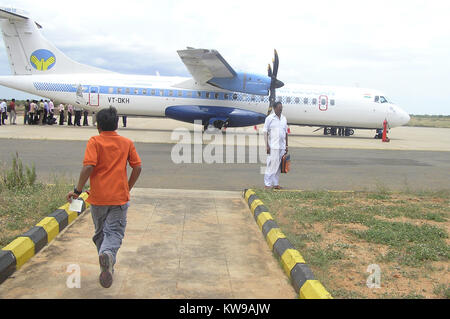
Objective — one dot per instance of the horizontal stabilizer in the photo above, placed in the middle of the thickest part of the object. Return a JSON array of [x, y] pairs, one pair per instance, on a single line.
[[12, 14], [15, 15]]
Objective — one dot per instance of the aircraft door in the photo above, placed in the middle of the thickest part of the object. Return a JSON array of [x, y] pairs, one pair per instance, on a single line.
[[323, 102], [94, 96]]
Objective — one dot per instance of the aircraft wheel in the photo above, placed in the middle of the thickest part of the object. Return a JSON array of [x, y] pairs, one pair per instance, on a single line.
[[347, 132]]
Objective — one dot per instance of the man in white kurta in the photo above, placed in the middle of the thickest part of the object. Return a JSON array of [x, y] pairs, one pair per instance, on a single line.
[[275, 134]]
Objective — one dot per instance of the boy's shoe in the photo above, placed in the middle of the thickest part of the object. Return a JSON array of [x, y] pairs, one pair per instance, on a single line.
[[106, 270]]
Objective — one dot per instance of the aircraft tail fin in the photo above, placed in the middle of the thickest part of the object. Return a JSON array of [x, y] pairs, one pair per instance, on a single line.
[[29, 52]]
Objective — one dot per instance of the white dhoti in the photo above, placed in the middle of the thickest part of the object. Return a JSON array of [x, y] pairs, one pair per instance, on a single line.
[[273, 169]]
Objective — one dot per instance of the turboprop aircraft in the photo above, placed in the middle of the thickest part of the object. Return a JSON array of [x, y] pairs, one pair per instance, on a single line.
[[217, 95]]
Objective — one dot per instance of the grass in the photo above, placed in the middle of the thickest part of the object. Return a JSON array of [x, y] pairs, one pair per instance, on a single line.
[[443, 290], [405, 231], [440, 121], [24, 201]]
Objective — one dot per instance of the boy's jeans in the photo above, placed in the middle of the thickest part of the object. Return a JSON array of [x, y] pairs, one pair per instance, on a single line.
[[110, 223]]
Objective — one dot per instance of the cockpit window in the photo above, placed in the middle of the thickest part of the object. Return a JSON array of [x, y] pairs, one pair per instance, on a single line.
[[383, 99]]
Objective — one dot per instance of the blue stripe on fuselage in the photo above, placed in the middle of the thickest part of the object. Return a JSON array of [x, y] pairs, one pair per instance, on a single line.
[[172, 93]]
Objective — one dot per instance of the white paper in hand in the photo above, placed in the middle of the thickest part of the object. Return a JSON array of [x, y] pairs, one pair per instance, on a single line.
[[76, 205]]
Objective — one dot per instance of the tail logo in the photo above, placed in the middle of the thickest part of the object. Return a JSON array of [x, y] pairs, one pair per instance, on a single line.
[[42, 60]]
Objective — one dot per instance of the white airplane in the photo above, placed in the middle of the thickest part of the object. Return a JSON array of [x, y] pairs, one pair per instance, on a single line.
[[216, 94]]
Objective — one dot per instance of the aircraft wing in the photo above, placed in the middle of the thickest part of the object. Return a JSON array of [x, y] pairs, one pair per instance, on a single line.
[[206, 64]]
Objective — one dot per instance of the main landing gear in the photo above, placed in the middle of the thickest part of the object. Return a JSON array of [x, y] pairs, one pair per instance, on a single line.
[[341, 131], [216, 124]]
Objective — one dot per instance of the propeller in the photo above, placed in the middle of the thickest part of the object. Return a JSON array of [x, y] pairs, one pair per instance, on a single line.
[[274, 82]]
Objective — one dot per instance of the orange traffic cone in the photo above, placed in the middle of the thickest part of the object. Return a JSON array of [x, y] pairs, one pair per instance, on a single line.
[[385, 138]]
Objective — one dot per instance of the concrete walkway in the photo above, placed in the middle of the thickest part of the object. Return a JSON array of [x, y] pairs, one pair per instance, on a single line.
[[178, 244]]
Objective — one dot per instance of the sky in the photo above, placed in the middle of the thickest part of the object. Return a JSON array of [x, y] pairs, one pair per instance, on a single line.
[[401, 48]]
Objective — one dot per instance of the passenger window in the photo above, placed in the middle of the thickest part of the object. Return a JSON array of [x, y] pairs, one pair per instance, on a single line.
[[207, 95], [127, 91], [180, 93], [314, 101], [297, 100], [170, 93], [119, 90], [253, 99], [288, 99], [111, 90], [199, 94], [234, 96], [305, 100], [136, 91], [161, 92], [323, 102], [216, 95], [153, 92], [377, 99], [189, 94], [225, 96], [144, 91], [331, 102]]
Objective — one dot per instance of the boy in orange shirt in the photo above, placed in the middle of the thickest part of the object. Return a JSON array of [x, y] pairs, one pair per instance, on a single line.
[[105, 163]]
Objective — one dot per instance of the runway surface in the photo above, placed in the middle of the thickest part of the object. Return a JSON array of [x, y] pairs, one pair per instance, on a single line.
[[161, 130], [312, 168]]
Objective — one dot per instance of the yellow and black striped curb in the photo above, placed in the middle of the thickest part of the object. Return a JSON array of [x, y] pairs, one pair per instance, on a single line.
[[292, 261], [20, 250]]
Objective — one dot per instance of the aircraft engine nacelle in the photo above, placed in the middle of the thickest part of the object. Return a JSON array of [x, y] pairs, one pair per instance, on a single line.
[[215, 115], [245, 83]]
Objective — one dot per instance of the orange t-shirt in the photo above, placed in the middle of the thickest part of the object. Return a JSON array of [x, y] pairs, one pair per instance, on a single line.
[[109, 153]]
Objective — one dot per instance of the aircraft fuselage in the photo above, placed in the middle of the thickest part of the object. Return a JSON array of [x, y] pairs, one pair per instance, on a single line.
[[151, 95]]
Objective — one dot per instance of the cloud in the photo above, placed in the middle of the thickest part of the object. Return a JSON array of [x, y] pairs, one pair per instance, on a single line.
[[400, 47]]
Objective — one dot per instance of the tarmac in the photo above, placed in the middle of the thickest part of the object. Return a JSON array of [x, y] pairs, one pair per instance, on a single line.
[[161, 130], [182, 244], [414, 159]]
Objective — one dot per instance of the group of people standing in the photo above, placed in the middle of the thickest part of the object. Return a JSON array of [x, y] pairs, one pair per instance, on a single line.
[[5, 109], [76, 111], [39, 113], [43, 112], [49, 112]]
